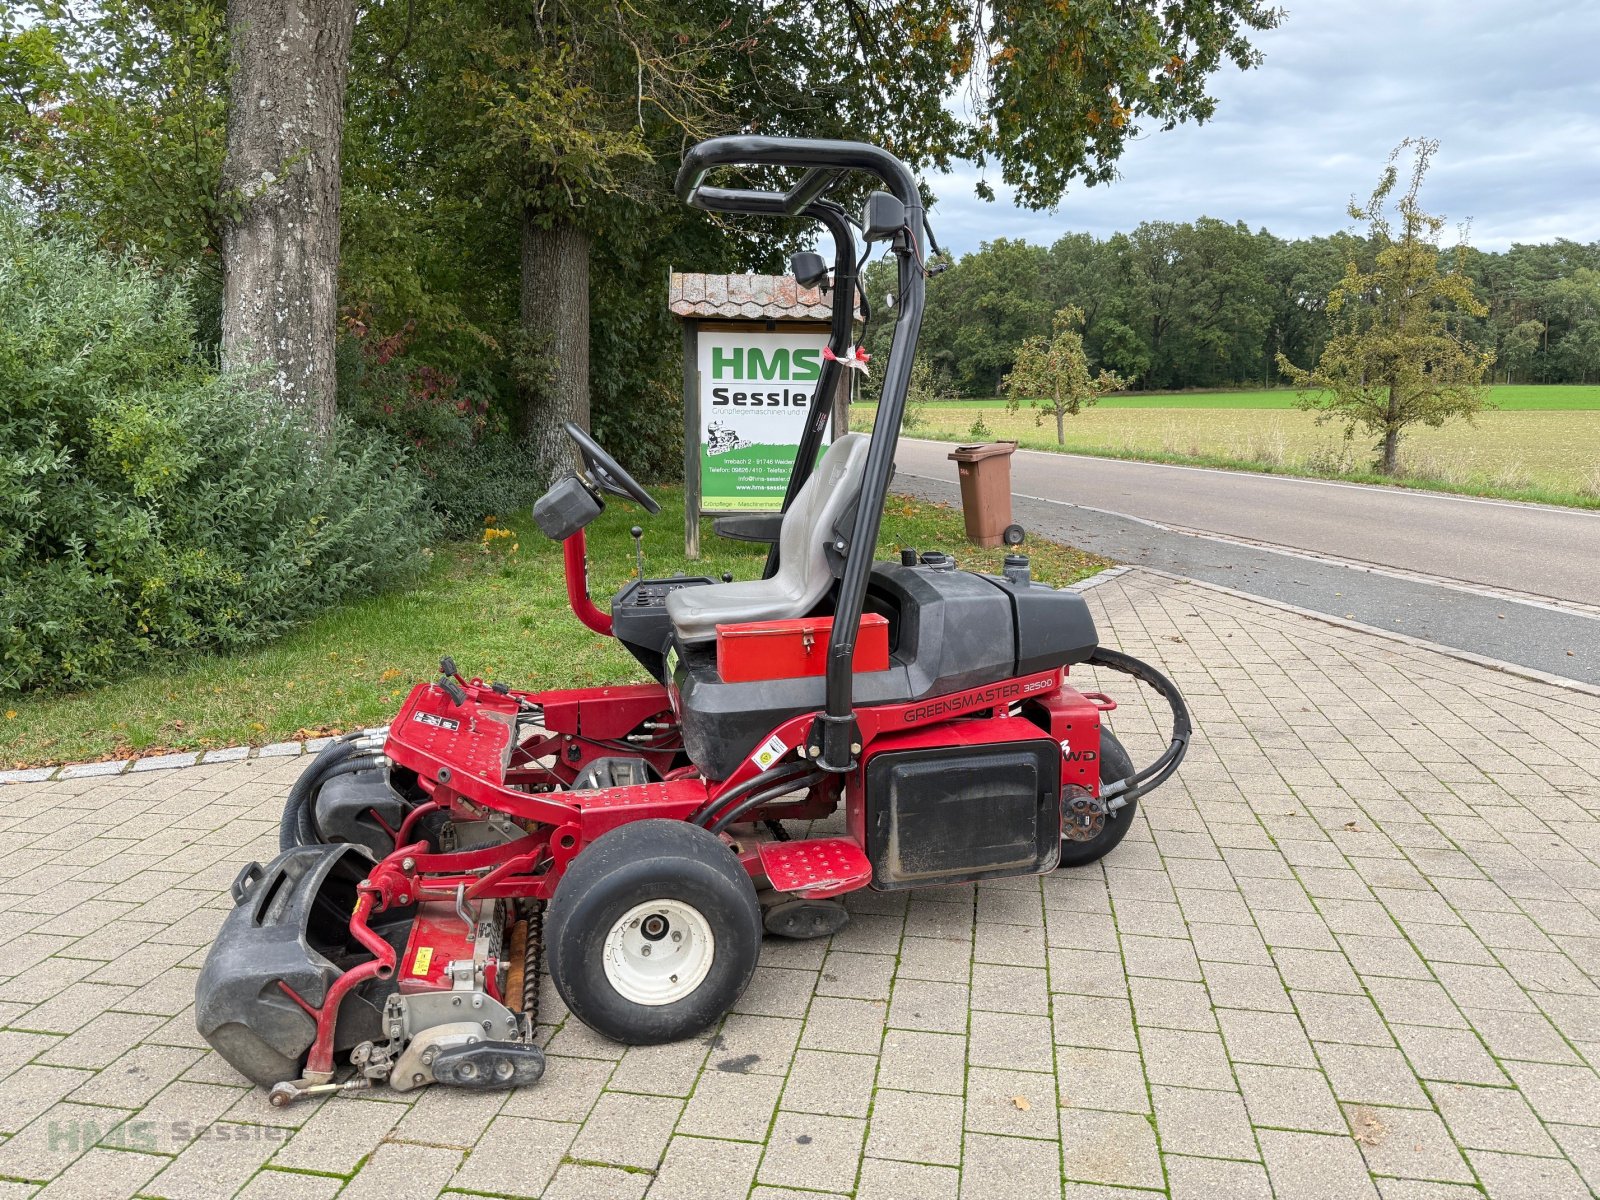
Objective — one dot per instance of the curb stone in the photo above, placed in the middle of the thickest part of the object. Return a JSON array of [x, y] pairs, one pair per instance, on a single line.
[[165, 762], [1099, 577], [172, 762]]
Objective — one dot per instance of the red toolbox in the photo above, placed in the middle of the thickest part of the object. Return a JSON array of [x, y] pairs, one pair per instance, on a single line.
[[790, 649]]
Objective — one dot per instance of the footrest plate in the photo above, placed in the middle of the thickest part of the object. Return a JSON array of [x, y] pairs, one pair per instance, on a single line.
[[817, 868]]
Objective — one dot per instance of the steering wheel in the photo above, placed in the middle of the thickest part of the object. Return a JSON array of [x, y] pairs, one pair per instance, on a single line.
[[604, 470]]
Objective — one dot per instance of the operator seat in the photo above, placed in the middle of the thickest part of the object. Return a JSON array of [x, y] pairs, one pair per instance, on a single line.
[[804, 575]]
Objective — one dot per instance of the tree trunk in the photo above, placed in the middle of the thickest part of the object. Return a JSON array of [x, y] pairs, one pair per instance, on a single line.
[[1390, 463], [555, 316], [1061, 428], [1391, 451], [290, 60]]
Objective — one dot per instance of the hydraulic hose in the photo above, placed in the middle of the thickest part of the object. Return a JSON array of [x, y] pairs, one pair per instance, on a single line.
[[300, 793], [1158, 772], [772, 775], [297, 828], [765, 796]]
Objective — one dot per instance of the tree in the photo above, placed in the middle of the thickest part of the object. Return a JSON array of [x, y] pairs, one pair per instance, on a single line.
[[1520, 347], [289, 63], [978, 315], [1576, 299], [486, 126], [1055, 373], [1299, 276], [550, 124], [1397, 356], [111, 127]]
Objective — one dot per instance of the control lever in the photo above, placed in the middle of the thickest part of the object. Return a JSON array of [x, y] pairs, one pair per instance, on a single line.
[[450, 681], [727, 577], [638, 549]]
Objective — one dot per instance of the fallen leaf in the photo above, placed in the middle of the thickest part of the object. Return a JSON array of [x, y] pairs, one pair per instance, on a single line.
[[1021, 1103], [1368, 1129], [1353, 826]]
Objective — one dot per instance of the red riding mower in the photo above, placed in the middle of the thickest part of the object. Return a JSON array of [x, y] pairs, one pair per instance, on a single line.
[[632, 837]]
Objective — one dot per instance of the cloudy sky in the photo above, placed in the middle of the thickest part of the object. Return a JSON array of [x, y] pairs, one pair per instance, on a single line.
[[1511, 88]]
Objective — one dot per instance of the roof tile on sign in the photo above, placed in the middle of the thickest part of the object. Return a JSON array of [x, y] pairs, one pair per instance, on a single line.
[[753, 297]]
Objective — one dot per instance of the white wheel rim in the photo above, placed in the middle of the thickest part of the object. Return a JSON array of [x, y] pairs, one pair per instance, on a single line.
[[659, 952]]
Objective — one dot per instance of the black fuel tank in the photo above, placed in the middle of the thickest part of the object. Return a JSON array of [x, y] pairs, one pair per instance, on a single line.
[[955, 814]]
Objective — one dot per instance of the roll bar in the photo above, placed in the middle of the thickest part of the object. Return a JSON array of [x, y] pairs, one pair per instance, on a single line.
[[834, 740], [824, 160], [841, 325]]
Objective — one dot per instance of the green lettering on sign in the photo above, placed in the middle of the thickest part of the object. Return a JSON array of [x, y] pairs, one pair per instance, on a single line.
[[807, 366], [761, 368], [727, 360]]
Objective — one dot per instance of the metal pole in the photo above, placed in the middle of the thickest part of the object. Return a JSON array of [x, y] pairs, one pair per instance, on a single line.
[[691, 439]]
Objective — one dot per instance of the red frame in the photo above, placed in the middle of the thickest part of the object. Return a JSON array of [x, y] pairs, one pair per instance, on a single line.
[[458, 752], [463, 758]]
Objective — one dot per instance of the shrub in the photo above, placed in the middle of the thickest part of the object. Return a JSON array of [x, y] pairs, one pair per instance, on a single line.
[[149, 505], [470, 464]]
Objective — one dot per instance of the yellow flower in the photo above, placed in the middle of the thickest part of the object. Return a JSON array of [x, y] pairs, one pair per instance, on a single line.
[[11, 714]]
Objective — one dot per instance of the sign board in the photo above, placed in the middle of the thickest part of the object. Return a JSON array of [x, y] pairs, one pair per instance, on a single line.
[[756, 387]]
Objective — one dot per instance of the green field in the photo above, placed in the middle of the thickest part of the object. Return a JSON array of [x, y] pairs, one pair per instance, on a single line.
[[1539, 443], [501, 612], [1506, 398]]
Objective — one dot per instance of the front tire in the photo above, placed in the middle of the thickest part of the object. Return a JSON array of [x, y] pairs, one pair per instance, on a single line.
[[653, 932], [1114, 765]]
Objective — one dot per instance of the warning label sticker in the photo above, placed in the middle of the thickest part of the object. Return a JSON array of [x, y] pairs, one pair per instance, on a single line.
[[769, 752], [438, 722], [424, 960]]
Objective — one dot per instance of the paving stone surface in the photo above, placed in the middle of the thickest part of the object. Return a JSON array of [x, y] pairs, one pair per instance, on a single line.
[[1352, 951]]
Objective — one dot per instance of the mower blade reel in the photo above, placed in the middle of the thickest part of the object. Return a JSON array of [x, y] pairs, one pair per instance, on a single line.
[[279, 950]]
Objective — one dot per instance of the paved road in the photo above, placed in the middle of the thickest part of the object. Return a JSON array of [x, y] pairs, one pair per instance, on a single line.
[[1352, 950], [1107, 506]]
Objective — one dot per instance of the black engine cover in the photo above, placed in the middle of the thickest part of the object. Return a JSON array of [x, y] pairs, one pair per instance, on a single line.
[[956, 814]]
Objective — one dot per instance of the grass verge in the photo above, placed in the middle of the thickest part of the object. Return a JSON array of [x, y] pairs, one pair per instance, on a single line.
[[501, 612], [1533, 397]]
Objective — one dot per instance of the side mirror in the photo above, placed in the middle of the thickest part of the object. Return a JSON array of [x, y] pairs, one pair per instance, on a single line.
[[808, 269]]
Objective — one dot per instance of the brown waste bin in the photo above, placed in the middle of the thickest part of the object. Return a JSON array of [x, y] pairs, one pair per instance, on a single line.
[[986, 493]]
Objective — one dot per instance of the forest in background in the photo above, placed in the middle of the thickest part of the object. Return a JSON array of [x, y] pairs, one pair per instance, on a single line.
[[1208, 304]]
